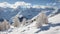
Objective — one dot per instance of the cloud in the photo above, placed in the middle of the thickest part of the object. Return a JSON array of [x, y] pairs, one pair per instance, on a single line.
[[5, 4], [54, 3], [38, 6], [22, 4]]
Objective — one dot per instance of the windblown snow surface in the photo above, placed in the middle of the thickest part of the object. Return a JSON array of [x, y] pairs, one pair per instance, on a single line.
[[53, 27]]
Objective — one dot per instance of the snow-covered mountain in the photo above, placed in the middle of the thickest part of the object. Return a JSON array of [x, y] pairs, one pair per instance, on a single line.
[[7, 11], [27, 18], [27, 12]]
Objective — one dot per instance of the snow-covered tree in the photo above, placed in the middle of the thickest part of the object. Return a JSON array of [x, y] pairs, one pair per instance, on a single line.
[[16, 22], [4, 25], [41, 19], [0, 26], [24, 21]]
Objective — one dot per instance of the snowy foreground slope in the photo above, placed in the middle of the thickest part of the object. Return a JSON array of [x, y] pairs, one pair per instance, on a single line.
[[55, 19], [52, 28]]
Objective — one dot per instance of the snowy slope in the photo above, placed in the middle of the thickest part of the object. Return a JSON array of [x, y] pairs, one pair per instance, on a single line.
[[55, 19], [31, 29], [52, 30], [29, 12]]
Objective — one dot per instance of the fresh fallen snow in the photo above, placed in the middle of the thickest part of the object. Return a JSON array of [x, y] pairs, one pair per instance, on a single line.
[[31, 29], [55, 19]]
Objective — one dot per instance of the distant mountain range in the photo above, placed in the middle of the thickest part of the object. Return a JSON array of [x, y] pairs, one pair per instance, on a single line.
[[26, 10]]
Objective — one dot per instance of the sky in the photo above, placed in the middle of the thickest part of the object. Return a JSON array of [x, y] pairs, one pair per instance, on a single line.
[[42, 2]]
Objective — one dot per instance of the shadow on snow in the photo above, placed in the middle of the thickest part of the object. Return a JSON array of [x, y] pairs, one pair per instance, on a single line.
[[43, 28]]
